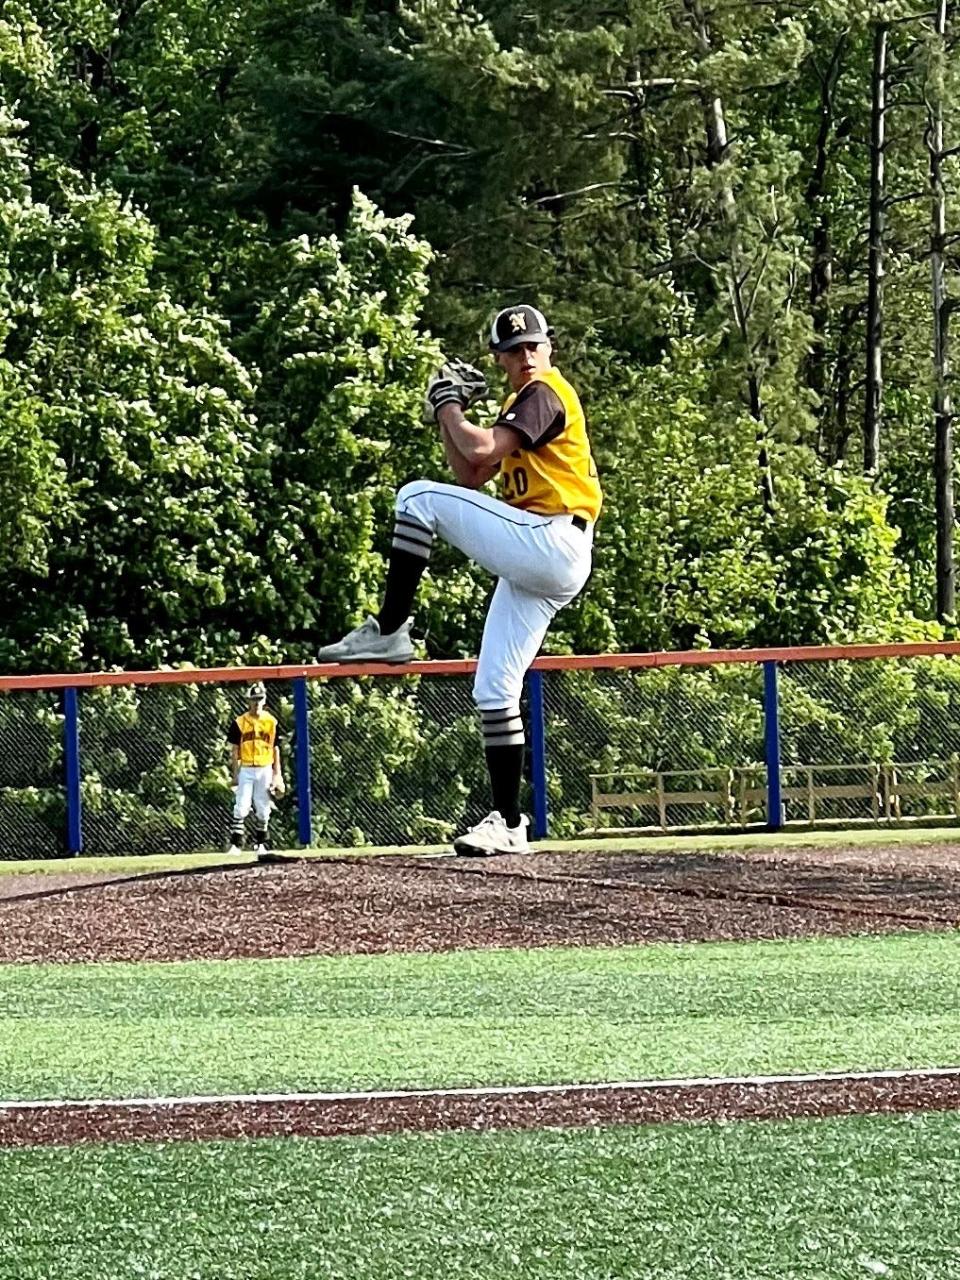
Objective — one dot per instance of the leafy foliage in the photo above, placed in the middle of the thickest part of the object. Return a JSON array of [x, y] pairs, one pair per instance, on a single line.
[[212, 345]]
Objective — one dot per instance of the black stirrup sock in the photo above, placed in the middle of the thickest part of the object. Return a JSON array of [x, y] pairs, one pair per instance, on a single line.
[[403, 577], [503, 743]]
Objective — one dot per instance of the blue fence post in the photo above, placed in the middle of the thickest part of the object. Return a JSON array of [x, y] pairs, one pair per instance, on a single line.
[[71, 763], [301, 722], [538, 753], [771, 736]]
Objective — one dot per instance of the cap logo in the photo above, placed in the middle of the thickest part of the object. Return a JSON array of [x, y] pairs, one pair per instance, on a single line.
[[518, 321]]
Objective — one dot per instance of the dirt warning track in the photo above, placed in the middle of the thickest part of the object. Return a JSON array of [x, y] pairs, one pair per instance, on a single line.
[[566, 1106]]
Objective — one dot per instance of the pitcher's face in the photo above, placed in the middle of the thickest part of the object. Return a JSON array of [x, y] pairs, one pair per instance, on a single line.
[[520, 363]]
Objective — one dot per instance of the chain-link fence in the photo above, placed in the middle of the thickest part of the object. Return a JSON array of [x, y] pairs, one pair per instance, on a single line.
[[885, 730], [397, 759], [623, 727], [391, 761], [394, 760], [865, 740], [32, 788], [155, 766]]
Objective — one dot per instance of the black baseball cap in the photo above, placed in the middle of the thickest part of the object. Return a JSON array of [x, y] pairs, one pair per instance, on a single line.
[[514, 326]]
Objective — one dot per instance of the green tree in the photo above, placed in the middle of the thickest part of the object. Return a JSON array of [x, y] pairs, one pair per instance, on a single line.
[[199, 497], [683, 527]]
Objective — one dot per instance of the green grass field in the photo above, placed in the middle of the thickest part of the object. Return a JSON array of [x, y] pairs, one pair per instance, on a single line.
[[799, 1200], [465, 1018], [817, 1200]]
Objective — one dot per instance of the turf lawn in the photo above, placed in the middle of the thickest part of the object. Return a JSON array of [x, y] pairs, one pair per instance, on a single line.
[[467, 1018], [822, 1200]]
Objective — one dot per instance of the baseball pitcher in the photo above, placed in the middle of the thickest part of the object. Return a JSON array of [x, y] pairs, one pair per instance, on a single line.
[[536, 538]]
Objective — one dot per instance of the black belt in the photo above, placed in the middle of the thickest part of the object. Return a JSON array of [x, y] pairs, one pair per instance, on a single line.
[[578, 522]]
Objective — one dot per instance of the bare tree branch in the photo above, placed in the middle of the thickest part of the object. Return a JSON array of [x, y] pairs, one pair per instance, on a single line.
[[580, 191]]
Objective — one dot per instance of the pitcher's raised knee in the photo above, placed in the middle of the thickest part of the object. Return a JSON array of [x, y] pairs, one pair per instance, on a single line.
[[409, 493], [415, 525]]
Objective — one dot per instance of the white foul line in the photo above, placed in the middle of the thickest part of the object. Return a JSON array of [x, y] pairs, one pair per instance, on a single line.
[[481, 1091]]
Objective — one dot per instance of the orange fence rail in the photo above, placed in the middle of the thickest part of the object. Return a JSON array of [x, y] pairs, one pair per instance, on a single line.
[[465, 666]]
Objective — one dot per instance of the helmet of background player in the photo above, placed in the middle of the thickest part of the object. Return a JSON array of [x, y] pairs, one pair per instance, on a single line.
[[515, 326], [257, 693]]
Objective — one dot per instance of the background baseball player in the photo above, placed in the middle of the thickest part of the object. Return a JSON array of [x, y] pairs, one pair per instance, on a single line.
[[255, 767], [536, 538]]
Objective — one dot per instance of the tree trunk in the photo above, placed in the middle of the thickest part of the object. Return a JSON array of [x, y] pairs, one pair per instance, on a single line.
[[716, 129], [942, 306], [92, 68], [873, 409], [821, 266], [836, 443]]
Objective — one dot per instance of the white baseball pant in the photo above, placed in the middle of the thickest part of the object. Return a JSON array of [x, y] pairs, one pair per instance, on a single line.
[[542, 563], [253, 791]]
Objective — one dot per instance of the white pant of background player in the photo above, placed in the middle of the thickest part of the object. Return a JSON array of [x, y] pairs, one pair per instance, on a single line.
[[542, 563], [253, 792]]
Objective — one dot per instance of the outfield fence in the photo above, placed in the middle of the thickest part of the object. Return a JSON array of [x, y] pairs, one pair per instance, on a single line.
[[137, 762]]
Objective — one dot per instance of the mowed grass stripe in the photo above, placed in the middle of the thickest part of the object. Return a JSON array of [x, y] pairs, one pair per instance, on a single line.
[[479, 1018], [807, 1199]]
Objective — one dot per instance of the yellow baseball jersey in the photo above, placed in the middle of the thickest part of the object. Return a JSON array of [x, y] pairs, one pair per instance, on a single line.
[[553, 472], [256, 736]]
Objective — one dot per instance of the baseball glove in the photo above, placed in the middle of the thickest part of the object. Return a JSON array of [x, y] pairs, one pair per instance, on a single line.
[[455, 382]]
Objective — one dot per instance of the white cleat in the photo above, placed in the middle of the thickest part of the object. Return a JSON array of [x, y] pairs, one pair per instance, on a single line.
[[261, 851], [492, 836], [234, 851], [366, 644]]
